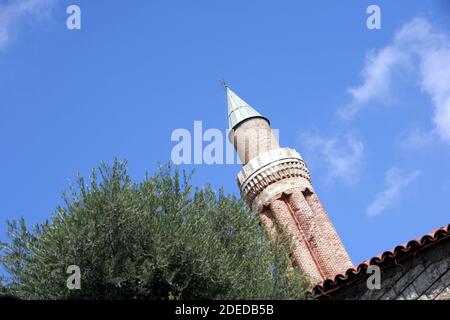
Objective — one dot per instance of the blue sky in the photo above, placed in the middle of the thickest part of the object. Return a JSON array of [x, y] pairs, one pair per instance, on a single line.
[[369, 110]]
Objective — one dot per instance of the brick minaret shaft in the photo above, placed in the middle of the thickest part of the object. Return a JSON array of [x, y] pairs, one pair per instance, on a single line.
[[276, 183]]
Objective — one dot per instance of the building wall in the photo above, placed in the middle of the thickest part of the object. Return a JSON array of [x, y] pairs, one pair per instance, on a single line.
[[424, 276]]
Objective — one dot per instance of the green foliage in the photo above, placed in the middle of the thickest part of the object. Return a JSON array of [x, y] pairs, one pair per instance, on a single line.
[[2, 287], [158, 239]]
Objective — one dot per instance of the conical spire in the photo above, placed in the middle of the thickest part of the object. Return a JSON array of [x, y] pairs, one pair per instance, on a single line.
[[239, 110]]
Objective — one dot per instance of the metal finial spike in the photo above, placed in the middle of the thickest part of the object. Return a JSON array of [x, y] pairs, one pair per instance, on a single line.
[[225, 85]]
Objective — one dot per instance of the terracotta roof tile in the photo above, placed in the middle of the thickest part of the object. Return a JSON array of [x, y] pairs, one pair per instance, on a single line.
[[382, 260]]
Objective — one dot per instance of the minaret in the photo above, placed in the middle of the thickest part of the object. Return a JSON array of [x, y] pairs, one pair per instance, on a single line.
[[276, 183]]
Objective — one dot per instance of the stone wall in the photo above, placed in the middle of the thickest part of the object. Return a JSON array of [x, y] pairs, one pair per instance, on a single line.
[[424, 276]]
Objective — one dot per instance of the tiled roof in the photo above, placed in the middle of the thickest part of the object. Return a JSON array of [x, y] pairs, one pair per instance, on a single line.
[[383, 260]]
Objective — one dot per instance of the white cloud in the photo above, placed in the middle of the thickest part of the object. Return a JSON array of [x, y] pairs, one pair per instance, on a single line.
[[416, 139], [395, 182], [342, 156], [11, 11], [435, 80], [416, 47], [377, 75]]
